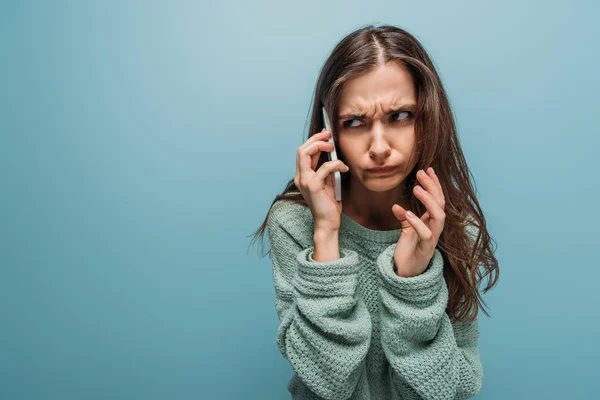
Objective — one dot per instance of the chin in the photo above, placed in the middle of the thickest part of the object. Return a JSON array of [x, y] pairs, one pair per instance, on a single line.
[[382, 184]]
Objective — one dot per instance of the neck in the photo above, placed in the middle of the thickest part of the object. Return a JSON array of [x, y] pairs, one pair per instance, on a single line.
[[373, 210]]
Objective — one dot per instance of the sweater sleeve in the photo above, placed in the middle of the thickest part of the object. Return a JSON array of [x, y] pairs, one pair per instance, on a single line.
[[324, 331], [430, 357]]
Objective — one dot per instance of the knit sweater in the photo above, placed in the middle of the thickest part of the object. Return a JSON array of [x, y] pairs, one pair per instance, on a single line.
[[351, 328]]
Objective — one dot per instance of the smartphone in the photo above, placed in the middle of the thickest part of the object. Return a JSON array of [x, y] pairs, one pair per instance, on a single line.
[[332, 155]]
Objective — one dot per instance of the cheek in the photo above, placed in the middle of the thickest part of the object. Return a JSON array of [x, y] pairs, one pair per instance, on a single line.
[[406, 144], [348, 150]]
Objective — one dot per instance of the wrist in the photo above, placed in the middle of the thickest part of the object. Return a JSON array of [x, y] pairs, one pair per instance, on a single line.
[[326, 245]]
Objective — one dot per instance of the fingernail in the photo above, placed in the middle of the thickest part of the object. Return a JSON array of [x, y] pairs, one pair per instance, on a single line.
[[419, 189], [409, 214], [432, 171]]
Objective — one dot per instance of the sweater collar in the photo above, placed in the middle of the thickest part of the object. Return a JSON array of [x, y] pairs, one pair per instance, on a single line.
[[350, 225]]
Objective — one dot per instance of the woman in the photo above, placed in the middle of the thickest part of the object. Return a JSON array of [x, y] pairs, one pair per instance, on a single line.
[[375, 302]]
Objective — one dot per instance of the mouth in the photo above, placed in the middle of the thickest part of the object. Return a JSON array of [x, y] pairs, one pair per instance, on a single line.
[[382, 170]]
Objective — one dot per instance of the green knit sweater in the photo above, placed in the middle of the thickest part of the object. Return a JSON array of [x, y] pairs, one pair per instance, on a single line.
[[351, 328]]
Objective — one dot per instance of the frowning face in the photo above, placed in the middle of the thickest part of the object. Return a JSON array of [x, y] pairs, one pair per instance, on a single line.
[[376, 126]]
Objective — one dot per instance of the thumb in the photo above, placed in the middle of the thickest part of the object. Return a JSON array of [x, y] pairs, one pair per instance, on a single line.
[[400, 213]]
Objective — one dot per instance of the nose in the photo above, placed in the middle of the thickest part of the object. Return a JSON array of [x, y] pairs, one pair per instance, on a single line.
[[380, 149]]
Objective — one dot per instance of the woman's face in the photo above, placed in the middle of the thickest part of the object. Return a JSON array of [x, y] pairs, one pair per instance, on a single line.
[[376, 125]]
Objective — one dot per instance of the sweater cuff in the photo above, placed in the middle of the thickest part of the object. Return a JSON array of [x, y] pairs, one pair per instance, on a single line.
[[420, 289], [326, 278]]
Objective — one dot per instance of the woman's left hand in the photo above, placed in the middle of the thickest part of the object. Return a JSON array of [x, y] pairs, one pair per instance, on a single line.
[[420, 236]]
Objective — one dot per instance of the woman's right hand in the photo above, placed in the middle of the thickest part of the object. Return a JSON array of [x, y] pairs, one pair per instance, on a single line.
[[317, 187]]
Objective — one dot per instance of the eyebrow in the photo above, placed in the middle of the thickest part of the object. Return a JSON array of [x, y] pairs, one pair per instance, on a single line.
[[362, 115]]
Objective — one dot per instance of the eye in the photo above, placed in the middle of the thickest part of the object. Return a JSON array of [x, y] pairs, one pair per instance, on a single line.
[[407, 113], [347, 125], [405, 116]]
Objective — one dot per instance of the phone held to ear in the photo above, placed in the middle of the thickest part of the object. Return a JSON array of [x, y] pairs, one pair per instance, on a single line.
[[332, 155]]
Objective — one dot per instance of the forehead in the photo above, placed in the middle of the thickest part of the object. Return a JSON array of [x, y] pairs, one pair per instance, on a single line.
[[385, 86]]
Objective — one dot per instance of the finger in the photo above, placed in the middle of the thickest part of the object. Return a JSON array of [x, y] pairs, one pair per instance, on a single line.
[[321, 147], [430, 185], [422, 230], [435, 211], [313, 138], [328, 168], [430, 202], [425, 218], [400, 214], [435, 178], [330, 180], [319, 136], [310, 156]]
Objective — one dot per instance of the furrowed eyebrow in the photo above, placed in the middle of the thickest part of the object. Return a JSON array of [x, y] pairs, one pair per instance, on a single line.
[[404, 107]]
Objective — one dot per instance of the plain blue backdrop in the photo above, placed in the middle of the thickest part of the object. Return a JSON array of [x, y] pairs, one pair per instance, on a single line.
[[143, 142]]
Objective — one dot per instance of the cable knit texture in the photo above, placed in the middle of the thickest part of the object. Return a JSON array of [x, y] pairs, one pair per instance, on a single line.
[[353, 329]]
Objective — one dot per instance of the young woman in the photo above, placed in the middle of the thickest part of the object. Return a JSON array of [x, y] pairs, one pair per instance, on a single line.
[[377, 294]]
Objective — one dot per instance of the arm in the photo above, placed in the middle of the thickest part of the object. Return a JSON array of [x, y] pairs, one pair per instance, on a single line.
[[431, 358], [324, 331]]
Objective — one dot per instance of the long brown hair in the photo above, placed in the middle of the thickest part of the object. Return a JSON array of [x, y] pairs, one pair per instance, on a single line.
[[466, 263]]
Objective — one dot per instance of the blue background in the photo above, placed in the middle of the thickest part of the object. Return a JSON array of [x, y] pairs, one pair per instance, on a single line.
[[143, 142]]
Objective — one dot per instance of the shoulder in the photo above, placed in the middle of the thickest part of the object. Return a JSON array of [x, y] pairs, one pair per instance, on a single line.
[[284, 212], [292, 218]]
